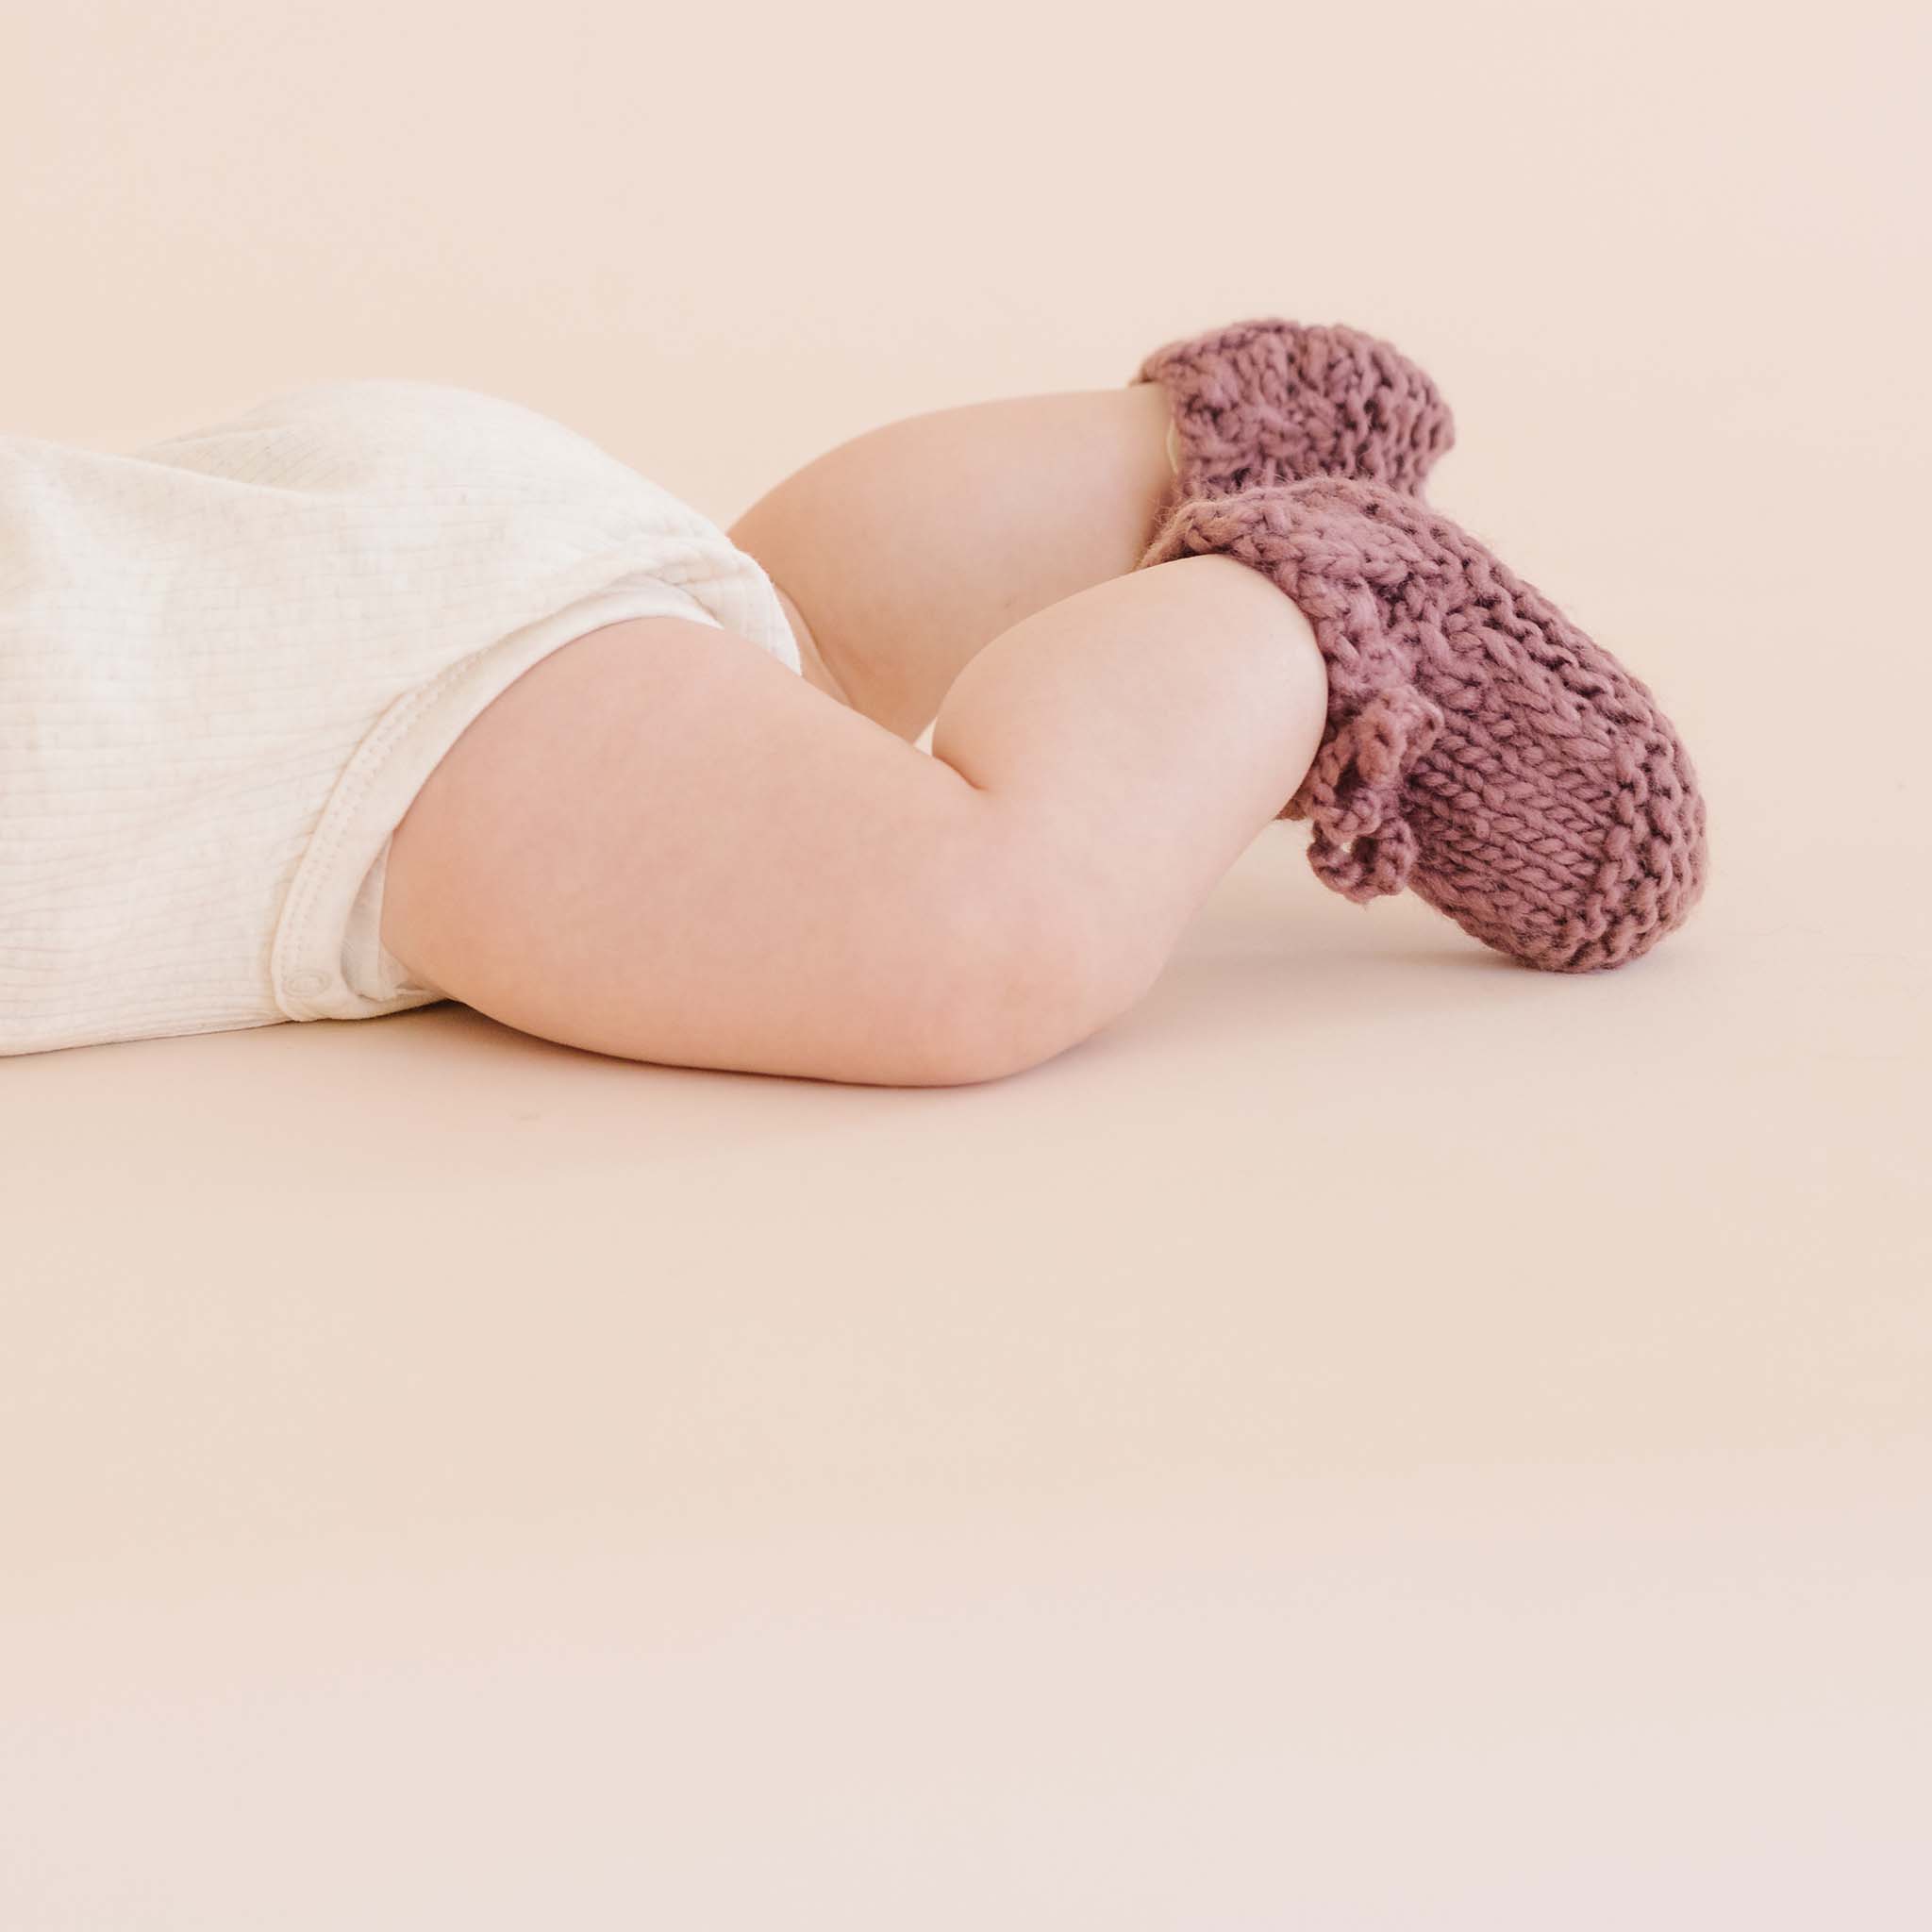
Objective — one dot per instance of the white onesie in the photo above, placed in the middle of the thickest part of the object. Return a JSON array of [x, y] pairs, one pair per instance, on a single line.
[[229, 660]]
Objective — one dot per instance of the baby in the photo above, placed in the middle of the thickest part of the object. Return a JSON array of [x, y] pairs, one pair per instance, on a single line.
[[386, 692]]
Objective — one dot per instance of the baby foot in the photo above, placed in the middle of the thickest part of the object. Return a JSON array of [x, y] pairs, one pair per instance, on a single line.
[[1273, 401], [1480, 749]]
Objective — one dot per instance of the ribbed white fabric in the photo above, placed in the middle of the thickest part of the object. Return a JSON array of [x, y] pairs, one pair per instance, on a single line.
[[229, 660]]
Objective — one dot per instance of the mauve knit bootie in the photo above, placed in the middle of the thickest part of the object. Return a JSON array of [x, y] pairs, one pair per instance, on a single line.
[[1479, 749], [1273, 401]]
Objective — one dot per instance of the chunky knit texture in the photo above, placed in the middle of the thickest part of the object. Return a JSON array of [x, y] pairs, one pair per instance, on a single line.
[[1479, 748], [1274, 401]]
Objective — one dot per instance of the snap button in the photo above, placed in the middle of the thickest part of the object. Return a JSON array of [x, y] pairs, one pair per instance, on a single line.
[[306, 982]]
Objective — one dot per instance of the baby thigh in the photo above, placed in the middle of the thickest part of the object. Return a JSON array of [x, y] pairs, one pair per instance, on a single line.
[[660, 844]]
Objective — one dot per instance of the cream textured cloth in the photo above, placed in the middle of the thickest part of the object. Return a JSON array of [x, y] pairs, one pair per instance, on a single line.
[[228, 661]]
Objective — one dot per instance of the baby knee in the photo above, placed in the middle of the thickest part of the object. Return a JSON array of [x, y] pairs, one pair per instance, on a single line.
[[1028, 972]]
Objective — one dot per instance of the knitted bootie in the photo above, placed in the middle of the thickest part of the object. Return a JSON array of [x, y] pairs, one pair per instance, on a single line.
[[1273, 401], [1479, 749]]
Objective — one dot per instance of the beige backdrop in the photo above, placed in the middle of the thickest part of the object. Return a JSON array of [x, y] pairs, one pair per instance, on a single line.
[[1377, 1439]]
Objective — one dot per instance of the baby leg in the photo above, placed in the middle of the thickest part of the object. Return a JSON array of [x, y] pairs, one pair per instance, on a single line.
[[659, 843], [908, 548]]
